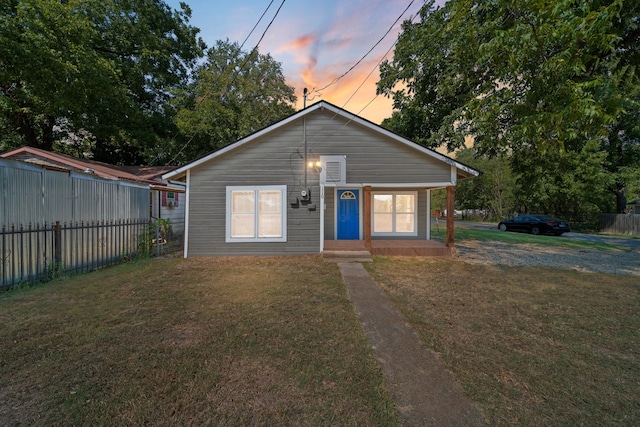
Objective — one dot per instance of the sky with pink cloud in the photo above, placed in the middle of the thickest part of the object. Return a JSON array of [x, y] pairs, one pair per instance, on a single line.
[[316, 42]]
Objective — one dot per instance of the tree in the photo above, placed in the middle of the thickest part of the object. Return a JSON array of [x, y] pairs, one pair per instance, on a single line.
[[492, 191], [534, 77], [234, 94], [429, 79], [106, 67]]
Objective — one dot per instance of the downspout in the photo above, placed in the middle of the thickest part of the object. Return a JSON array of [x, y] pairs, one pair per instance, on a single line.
[[304, 134], [321, 218], [428, 214], [186, 214]]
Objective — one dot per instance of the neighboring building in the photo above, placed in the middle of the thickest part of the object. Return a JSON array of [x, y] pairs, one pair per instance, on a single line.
[[164, 196], [320, 176]]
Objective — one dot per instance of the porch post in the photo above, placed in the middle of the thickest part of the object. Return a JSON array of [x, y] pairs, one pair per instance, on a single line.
[[322, 206], [428, 214], [367, 216], [451, 197]]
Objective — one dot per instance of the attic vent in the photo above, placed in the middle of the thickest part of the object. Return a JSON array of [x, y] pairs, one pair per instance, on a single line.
[[333, 172], [333, 169]]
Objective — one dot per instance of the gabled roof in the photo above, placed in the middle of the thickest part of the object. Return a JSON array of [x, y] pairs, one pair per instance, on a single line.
[[466, 170], [58, 161]]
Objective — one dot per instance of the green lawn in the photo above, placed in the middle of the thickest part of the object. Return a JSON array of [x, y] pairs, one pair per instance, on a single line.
[[244, 341], [466, 233], [275, 341], [531, 346]]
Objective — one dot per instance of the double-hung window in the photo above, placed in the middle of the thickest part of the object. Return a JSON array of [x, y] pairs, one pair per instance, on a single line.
[[256, 214], [395, 213]]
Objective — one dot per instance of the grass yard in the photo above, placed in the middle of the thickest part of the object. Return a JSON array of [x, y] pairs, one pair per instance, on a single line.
[[275, 341], [531, 346], [464, 233], [226, 341]]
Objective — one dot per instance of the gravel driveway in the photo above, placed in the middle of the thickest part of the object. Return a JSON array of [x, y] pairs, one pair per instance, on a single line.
[[590, 260]]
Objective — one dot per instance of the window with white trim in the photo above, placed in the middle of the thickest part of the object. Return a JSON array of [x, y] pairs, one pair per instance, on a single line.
[[394, 213], [256, 214]]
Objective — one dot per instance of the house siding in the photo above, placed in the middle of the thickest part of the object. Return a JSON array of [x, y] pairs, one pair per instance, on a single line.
[[272, 161], [372, 158], [329, 213], [276, 158]]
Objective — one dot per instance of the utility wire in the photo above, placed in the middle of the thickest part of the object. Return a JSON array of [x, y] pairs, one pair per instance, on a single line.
[[241, 67], [334, 81], [257, 23], [255, 48], [376, 67]]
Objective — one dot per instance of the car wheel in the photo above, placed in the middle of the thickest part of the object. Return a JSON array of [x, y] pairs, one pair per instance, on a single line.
[[558, 233], [502, 227], [535, 231]]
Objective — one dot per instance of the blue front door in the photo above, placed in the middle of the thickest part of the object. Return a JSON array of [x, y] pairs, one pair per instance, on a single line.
[[348, 215]]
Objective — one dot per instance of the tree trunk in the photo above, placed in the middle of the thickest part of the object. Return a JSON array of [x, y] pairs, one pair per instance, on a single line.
[[47, 125], [621, 199]]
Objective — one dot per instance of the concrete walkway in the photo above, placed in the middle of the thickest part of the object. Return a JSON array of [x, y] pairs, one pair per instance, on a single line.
[[425, 392]]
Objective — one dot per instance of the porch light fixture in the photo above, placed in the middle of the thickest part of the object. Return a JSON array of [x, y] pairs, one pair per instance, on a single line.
[[315, 166]]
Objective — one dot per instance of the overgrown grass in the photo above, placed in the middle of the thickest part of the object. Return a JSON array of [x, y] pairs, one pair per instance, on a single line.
[[532, 346], [225, 341]]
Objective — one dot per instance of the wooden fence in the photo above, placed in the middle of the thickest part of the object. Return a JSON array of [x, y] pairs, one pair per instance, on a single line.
[[620, 224], [36, 253]]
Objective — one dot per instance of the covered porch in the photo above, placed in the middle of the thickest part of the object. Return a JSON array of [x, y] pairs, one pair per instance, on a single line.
[[364, 242]]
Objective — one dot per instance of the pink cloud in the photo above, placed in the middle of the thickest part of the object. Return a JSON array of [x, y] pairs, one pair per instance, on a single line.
[[328, 49], [301, 42]]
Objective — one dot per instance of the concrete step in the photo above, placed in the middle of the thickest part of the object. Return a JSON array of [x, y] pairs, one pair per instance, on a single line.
[[347, 256]]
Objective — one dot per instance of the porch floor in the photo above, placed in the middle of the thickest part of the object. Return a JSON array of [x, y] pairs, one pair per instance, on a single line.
[[390, 247]]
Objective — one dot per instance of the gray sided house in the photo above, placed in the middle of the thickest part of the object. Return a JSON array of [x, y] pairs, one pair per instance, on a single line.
[[319, 177]]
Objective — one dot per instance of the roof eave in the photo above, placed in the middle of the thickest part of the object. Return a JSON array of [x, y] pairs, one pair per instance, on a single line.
[[181, 171]]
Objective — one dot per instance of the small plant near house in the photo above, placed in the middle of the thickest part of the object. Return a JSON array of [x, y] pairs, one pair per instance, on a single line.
[[164, 228], [54, 271], [154, 238]]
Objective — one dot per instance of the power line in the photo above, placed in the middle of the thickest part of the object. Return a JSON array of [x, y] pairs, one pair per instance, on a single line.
[[241, 67], [255, 48], [257, 23], [374, 68], [334, 81], [371, 72], [268, 26]]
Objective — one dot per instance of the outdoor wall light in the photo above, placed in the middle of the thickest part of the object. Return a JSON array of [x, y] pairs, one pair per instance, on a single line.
[[315, 166]]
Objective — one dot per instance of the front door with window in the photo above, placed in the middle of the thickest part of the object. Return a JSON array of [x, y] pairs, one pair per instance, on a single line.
[[348, 215]]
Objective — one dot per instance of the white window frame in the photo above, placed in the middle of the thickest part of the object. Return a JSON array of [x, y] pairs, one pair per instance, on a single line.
[[256, 189], [394, 194]]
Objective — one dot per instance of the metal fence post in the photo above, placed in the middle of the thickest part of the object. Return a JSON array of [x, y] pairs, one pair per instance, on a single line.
[[157, 231], [57, 244]]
